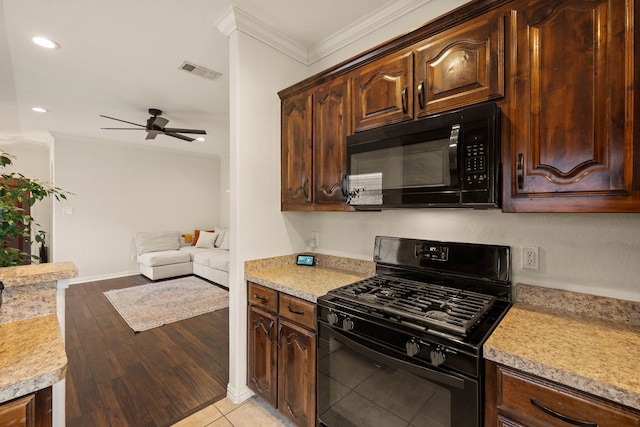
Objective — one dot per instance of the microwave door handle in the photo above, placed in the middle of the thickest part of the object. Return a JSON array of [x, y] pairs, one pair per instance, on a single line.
[[453, 153]]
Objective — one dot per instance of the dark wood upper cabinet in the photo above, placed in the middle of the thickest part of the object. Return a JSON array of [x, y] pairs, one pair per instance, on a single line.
[[563, 72], [296, 151], [570, 144], [331, 125], [383, 91], [461, 66]]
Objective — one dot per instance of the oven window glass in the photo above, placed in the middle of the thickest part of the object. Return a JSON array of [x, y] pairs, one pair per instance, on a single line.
[[354, 390], [424, 164]]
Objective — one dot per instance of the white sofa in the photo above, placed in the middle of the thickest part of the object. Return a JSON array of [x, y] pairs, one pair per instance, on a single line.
[[160, 255]]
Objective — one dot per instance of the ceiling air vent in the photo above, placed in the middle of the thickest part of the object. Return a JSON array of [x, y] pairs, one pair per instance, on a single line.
[[200, 70]]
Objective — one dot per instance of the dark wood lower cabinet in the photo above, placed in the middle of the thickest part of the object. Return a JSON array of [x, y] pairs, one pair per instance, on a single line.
[[33, 410], [296, 373], [281, 359], [515, 398], [263, 349]]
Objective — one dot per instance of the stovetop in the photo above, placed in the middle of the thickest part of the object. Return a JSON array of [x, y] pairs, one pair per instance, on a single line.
[[419, 304]]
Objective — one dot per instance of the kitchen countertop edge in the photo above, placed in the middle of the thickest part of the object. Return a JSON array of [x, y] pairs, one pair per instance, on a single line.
[[37, 273], [47, 364]]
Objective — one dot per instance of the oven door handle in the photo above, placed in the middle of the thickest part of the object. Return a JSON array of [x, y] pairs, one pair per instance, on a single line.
[[420, 371]]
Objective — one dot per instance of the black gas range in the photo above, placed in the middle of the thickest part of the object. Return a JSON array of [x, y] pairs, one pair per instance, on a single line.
[[419, 322]]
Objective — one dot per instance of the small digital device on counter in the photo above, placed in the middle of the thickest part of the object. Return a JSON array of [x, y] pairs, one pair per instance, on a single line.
[[306, 260]]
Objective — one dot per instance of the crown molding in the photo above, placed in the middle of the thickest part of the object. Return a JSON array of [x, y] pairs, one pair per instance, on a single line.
[[236, 19], [363, 27]]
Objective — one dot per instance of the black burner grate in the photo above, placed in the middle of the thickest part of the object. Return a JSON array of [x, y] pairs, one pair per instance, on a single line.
[[426, 304]]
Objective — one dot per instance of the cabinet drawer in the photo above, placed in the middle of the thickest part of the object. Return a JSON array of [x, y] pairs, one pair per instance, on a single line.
[[297, 310], [18, 412], [534, 401], [263, 297]]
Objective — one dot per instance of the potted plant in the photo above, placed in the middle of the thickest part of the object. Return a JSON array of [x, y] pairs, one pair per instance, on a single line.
[[15, 222]]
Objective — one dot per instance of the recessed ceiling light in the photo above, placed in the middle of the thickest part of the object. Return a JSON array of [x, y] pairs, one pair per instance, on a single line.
[[40, 110], [45, 42], [201, 139]]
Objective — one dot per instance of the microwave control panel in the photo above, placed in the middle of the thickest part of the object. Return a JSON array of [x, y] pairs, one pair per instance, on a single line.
[[475, 155]]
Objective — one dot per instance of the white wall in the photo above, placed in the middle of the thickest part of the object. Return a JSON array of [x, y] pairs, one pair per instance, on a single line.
[[120, 190]]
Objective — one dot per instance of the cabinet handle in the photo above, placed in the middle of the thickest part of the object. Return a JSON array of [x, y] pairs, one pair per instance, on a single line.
[[345, 186], [279, 330], [404, 99], [260, 298], [520, 171], [269, 330], [421, 95], [304, 185], [294, 311], [561, 417]]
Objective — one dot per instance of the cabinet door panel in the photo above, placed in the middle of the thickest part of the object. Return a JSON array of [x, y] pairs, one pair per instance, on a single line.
[[296, 151], [297, 373], [461, 66], [571, 110], [262, 354], [383, 92], [331, 118]]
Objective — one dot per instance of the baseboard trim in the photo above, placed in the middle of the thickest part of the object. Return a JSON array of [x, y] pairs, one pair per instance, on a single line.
[[102, 277], [240, 395]]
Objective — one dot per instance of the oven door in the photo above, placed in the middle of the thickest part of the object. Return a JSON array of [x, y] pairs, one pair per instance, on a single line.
[[361, 383]]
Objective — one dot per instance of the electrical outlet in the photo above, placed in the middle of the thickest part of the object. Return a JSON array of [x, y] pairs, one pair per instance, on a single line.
[[315, 236], [530, 258], [133, 257]]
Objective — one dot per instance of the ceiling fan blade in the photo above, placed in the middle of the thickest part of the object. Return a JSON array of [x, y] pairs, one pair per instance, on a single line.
[[124, 128], [178, 130], [177, 135], [159, 122], [151, 134], [123, 121]]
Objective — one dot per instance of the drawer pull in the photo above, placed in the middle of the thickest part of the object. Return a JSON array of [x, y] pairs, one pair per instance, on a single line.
[[564, 418], [260, 298], [294, 311]]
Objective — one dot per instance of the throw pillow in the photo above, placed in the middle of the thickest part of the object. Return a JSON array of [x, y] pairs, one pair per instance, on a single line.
[[225, 241], [207, 239], [196, 234]]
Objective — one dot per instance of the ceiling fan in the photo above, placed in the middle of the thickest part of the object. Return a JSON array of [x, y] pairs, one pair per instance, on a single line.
[[156, 125]]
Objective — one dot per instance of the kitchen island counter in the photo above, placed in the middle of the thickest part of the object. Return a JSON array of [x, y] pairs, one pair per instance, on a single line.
[[592, 344]]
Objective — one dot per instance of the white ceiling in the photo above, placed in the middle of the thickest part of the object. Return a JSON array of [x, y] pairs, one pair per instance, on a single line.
[[120, 58]]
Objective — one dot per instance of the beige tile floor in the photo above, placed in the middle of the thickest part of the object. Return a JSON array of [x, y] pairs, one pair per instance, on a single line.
[[250, 413]]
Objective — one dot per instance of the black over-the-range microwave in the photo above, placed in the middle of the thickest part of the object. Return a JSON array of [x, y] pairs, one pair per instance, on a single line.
[[445, 160]]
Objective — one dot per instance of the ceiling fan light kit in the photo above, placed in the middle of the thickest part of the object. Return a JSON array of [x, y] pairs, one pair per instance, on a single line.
[[156, 125]]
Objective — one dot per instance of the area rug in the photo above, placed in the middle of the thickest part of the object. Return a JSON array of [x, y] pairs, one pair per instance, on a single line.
[[156, 304]]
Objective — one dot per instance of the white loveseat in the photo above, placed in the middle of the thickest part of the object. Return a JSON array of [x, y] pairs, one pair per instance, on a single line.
[[160, 255]]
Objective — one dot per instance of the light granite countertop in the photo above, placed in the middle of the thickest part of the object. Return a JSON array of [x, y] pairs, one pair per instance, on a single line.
[[32, 356], [308, 283], [32, 353], [582, 341], [37, 273]]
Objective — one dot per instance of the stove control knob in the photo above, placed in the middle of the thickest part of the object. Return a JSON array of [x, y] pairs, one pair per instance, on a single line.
[[437, 357], [412, 347], [332, 318], [347, 324]]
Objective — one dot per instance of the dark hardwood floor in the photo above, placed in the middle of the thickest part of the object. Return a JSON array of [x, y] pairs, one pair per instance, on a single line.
[[116, 377]]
